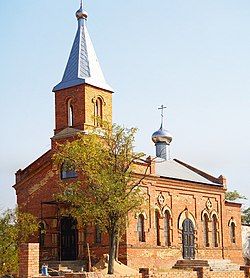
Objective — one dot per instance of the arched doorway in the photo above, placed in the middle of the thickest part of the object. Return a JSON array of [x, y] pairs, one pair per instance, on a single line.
[[68, 239], [188, 239]]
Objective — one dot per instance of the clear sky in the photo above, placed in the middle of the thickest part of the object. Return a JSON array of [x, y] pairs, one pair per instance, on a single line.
[[192, 56]]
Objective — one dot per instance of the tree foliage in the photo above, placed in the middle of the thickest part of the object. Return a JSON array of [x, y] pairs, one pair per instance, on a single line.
[[234, 195], [15, 228], [109, 189], [246, 216]]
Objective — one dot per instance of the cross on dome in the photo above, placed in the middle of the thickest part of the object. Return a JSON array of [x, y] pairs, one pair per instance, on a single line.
[[162, 107]]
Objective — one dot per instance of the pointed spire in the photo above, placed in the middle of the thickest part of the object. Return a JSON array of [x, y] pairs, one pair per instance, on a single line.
[[83, 66]]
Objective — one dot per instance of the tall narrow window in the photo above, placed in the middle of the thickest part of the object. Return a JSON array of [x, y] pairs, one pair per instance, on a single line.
[[157, 227], [70, 113], [232, 232], [141, 228], [215, 231], [98, 111], [205, 230], [167, 228], [98, 234]]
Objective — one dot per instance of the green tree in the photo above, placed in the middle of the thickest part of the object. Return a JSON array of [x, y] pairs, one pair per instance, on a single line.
[[15, 228], [110, 188], [234, 195], [246, 216]]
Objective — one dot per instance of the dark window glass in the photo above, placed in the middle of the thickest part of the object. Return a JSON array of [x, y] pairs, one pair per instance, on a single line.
[[157, 227], [67, 171], [205, 230], [214, 231], [141, 228], [98, 234], [167, 228], [232, 232], [98, 111]]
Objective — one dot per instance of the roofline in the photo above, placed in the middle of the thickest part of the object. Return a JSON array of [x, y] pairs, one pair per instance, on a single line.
[[190, 181], [82, 82], [21, 171], [205, 175], [233, 203]]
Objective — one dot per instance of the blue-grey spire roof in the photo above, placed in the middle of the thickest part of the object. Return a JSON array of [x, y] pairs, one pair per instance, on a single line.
[[83, 66]]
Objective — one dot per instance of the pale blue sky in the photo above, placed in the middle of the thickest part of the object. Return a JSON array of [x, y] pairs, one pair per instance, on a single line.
[[192, 56]]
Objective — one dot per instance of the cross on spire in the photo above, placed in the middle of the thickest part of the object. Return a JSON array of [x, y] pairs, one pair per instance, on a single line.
[[81, 4], [162, 107]]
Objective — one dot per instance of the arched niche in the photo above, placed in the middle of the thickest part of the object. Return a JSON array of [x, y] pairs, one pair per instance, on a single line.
[[186, 215]]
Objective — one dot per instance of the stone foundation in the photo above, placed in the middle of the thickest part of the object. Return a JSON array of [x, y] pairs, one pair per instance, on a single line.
[[172, 273]]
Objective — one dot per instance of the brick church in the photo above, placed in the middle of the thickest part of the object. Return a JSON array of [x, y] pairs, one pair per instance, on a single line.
[[187, 216]]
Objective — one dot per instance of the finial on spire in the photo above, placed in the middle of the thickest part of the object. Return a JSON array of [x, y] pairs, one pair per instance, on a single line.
[[162, 107], [81, 14]]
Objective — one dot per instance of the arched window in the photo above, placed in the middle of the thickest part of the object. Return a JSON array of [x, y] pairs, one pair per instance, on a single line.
[[70, 113], [214, 231], [98, 234], [232, 232], [157, 227], [205, 230], [141, 228], [98, 111], [42, 233], [68, 171], [167, 219]]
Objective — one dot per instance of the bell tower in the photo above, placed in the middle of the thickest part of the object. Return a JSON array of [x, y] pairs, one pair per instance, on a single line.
[[83, 95]]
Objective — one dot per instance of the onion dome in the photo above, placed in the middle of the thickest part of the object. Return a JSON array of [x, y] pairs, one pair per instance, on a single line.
[[162, 136], [81, 14]]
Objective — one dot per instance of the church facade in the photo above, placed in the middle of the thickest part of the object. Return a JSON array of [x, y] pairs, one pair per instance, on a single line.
[[186, 216]]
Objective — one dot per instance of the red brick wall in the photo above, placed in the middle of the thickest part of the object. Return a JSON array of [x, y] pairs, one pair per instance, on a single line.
[[42, 183], [29, 260], [82, 100]]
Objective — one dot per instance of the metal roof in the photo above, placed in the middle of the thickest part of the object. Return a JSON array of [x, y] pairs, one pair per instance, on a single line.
[[83, 65], [173, 169]]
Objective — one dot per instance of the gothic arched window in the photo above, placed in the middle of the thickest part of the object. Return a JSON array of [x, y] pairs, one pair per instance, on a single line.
[[232, 232], [98, 111], [205, 230], [141, 228], [68, 171], [70, 113], [157, 227], [167, 219], [214, 231]]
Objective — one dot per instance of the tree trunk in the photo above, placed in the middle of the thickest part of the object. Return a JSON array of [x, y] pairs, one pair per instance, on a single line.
[[113, 236]]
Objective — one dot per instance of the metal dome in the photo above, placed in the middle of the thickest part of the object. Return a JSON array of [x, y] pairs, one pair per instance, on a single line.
[[81, 14], [162, 135]]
